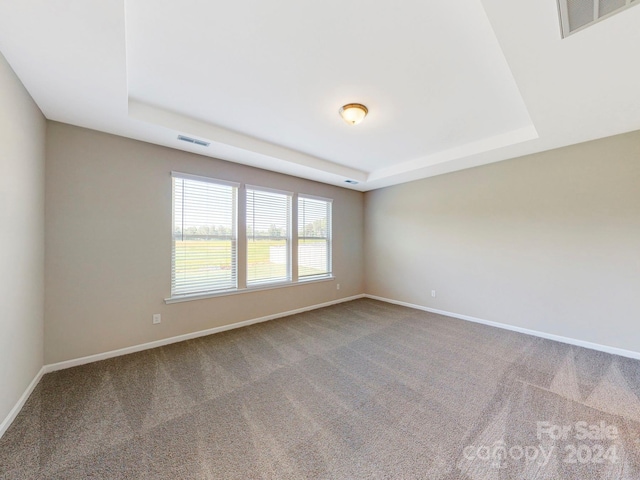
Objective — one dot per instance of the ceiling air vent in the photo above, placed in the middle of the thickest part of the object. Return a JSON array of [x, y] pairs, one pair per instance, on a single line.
[[193, 140], [578, 14], [352, 182]]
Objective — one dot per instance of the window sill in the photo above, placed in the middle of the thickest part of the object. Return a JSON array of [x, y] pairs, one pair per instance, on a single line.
[[258, 288]]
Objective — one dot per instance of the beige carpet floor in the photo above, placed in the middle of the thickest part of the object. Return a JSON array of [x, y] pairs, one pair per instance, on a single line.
[[358, 390]]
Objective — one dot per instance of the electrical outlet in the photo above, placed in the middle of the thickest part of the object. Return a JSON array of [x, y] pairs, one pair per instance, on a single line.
[[433, 293], [157, 318], [337, 286]]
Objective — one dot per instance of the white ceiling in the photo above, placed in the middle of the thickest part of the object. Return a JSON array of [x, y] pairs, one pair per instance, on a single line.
[[449, 85]]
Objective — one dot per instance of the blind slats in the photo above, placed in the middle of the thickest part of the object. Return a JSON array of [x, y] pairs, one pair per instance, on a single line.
[[204, 248], [204, 237], [314, 237], [268, 236]]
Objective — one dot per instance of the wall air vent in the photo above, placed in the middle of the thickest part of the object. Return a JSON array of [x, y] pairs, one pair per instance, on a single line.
[[193, 140], [578, 14]]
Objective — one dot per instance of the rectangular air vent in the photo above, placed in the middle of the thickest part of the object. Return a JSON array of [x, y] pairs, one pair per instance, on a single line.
[[352, 182], [578, 14], [193, 140]]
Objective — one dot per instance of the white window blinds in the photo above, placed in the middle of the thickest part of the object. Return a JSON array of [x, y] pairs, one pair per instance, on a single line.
[[204, 235], [314, 237], [268, 236]]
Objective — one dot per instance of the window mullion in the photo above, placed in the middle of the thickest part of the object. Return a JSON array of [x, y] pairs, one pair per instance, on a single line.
[[294, 239], [242, 237]]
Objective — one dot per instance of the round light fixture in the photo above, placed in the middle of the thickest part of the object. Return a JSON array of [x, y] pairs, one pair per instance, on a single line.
[[353, 113]]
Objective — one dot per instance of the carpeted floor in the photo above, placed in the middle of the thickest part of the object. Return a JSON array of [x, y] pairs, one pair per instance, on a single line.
[[359, 390]]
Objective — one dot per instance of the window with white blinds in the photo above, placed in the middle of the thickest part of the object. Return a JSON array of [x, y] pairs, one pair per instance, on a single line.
[[314, 237], [268, 236], [205, 260], [204, 256]]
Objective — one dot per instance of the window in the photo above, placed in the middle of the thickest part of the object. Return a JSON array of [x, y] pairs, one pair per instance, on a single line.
[[314, 237], [268, 236], [204, 258]]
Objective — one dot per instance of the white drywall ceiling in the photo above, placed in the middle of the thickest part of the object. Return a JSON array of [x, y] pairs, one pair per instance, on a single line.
[[449, 85]]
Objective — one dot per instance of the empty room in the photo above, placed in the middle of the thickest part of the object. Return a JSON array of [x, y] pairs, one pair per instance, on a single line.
[[320, 240]]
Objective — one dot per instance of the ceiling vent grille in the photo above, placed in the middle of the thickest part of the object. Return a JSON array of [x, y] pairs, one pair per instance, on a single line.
[[193, 140], [578, 14]]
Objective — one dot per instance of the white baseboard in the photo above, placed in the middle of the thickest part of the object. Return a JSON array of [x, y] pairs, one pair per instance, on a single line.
[[146, 346], [188, 336], [180, 338], [550, 336], [4, 426]]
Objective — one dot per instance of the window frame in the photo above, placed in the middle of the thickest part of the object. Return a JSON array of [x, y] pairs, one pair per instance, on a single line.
[[289, 237], [329, 238], [234, 240]]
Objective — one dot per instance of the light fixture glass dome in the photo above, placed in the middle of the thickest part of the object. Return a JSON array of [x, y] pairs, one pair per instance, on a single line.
[[353, 113]]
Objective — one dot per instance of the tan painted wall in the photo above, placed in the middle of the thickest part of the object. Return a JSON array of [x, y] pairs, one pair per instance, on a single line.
[[22, 148], [549, 242], [108, 251]]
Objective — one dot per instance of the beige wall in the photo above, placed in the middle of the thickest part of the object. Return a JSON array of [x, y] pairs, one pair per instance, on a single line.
[[22, 147], [108, 251], [549, 242]]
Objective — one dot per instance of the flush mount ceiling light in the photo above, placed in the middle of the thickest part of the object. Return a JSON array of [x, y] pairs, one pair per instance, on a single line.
[[353, 113]]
